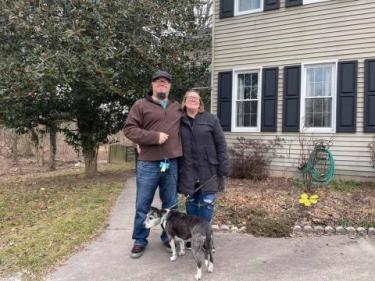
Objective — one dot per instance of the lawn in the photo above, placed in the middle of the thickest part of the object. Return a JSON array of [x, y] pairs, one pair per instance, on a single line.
[[46, 217]]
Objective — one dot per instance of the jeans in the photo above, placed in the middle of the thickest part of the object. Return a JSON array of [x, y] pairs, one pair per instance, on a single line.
[[148, 178], [201, 205]]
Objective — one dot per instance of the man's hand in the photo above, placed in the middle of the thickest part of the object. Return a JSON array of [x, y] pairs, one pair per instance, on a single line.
[[163, 137]]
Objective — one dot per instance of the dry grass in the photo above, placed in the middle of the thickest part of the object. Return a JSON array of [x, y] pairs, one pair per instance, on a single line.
[[45, 217]]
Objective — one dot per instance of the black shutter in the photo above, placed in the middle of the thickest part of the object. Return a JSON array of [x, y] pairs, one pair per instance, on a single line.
[[226, 8], [293, 3], [269, 99], [369, 114], [224, 100], [291, 103], [271, 5], [347, 96]]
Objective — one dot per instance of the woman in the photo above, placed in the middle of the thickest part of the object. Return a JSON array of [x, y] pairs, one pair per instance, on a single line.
[[205, 160]]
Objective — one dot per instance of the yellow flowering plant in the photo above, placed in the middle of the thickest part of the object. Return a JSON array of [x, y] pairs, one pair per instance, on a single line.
[[307, 200]]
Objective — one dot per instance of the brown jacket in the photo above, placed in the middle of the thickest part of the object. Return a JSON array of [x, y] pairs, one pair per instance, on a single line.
[[145, 120]]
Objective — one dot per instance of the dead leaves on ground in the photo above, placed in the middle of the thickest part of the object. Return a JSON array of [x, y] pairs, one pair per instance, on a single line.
[[277, 198]]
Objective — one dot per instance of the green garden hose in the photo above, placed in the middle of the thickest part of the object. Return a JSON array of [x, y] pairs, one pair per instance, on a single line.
[[321, 166]]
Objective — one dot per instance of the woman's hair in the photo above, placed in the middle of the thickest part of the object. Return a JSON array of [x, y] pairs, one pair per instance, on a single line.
[[201, 104]]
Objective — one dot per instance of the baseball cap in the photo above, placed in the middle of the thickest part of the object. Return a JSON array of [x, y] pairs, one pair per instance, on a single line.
[[162, 74]]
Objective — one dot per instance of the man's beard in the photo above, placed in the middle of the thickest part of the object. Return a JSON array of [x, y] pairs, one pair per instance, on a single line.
[[161, 95]]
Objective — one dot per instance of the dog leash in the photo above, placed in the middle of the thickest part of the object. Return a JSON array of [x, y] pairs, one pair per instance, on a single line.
[[202, 185], [196, 190]]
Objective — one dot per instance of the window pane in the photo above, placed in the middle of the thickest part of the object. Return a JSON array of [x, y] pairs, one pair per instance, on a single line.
[[319, 81], [318, 74], [318, 105], [327, 105], [328, 79], [247, 86], [309, 119], [327, 112], [327, 73], [319, 89], [247, 113], [309, 83], [254, 85], [247, 93], [309, 106], [318, 112], [241, 86], [253, 120], [246, 5], [254, 79], [253, 107], [247, 79], [318, 119], [326, 120], [254, 93]]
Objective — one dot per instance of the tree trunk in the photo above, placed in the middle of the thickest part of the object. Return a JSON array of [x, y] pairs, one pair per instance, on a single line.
[[35, 140], [14, 148], [28, 149], [40, 149], [90, 156], [37, 136], [52, 153]]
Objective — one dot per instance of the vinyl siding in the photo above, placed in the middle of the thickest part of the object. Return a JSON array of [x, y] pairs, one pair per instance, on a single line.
[[330, 30]]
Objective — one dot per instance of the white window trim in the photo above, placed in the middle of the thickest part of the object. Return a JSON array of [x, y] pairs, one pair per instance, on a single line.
[[238, 13], [234, 126], [312, 1], [331, 129]]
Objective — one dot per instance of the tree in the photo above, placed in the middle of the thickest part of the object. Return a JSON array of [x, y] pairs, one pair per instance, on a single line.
[[166, 34], [92, 59], [28, 80]]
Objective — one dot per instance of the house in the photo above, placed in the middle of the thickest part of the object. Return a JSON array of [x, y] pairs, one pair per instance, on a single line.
[[293, 68]]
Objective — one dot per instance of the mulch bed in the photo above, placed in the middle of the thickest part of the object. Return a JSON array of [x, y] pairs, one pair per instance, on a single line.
[[271, 207]]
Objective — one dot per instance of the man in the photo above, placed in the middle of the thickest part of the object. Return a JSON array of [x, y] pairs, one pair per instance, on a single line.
[[153, 123]]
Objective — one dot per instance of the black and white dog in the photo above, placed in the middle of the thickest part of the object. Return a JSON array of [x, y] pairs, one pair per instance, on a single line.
[[181, 227]]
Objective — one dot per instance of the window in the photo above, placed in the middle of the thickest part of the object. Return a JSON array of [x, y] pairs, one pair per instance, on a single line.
[[318, 103], [246, 101], [248, 6]]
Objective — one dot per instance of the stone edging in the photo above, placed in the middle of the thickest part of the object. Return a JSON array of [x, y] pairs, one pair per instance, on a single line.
[[319, 230], [309, 230], [228, 228]]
